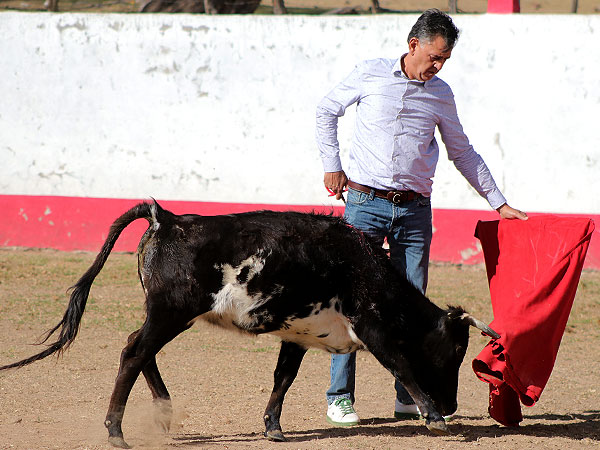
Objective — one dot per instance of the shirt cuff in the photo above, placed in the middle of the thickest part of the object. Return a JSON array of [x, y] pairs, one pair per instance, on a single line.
[[496, 199], [332, 164]]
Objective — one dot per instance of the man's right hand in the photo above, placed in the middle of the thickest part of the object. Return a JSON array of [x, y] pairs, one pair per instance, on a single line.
[[336, 182]]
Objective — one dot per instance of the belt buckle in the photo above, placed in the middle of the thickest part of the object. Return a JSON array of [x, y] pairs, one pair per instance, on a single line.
[[395, 197]]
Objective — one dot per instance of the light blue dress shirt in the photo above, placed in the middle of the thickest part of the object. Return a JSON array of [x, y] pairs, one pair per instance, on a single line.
[[394, 145]]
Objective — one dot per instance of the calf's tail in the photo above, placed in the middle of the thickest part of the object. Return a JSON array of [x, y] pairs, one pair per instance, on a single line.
[[69, 325]]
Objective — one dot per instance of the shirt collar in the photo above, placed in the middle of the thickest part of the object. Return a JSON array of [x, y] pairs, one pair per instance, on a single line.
[[397, 71]]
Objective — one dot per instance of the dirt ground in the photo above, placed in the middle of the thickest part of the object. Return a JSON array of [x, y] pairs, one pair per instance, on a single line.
[[220, 381]]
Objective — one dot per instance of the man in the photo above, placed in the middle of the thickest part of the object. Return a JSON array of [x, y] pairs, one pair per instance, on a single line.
[[392, 161]]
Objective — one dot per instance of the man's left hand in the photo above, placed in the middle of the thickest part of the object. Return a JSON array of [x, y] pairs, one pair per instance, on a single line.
[[507, 212]]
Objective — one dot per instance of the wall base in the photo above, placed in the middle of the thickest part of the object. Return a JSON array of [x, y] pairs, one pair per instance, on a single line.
[[78, 223]]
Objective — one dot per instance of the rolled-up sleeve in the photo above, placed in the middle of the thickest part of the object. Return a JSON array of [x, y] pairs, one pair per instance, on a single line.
[[468, 162], [329, 109]]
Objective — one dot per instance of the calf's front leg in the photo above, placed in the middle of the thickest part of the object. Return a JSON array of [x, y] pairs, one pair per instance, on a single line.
[[402, 372], [434, 421], [288, 363]]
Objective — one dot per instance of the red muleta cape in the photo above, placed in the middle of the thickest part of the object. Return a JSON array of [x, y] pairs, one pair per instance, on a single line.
[[533, 269]]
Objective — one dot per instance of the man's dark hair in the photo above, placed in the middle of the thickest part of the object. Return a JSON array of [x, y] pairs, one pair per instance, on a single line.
[[432, 23]]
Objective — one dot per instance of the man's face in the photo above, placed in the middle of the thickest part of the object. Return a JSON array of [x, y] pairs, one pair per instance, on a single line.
[[427, 58]]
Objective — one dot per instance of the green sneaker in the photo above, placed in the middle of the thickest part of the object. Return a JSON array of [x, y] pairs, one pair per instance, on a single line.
[[341, 413]]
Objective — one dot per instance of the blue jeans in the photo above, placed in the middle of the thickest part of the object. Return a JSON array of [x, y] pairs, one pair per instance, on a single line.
[[408, 230]]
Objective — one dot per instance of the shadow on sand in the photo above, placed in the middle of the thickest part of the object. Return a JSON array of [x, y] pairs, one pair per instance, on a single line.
[[572, 426]]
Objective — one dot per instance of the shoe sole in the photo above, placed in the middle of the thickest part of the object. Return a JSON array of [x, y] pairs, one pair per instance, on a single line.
[[341, 424], [410, 416], [406, 416]]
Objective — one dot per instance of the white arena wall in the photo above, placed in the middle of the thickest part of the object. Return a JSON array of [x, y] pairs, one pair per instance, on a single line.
[[217, 114]]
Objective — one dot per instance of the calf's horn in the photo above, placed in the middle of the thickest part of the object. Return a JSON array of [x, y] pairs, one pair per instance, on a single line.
[[480, 325]]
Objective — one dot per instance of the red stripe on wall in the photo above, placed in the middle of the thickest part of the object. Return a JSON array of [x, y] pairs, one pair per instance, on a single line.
[[77, 223]]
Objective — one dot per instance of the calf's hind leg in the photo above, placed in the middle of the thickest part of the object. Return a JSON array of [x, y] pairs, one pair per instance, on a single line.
[[288, 363], [163, 410], [137, 356], [162, 400]]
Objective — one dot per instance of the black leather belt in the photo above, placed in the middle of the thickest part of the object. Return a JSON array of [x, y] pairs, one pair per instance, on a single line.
[[393, 196]]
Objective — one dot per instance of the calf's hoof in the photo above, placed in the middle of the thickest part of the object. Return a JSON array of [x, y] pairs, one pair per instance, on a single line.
[[163, 412], [438, 427], [118, 441], [275, 435]]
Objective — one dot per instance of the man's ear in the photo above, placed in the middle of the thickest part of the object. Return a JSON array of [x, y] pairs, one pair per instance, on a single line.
[[413, 43]]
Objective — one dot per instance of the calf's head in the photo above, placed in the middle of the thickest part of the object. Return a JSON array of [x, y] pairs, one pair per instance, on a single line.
[[443, 350]]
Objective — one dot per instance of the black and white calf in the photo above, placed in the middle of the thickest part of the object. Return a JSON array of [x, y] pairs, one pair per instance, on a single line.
[[310, 279]]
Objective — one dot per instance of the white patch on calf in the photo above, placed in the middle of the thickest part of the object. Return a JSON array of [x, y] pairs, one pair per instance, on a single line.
[[153, 214], [233, 303], [234, 308], [327, 329]]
